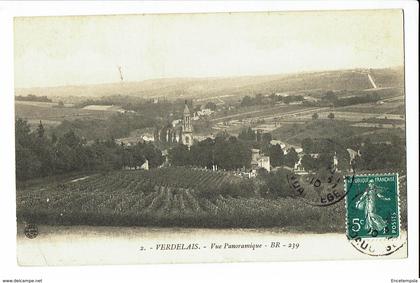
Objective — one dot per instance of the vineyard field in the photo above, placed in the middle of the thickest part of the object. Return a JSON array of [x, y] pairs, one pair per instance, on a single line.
[[167, 197]]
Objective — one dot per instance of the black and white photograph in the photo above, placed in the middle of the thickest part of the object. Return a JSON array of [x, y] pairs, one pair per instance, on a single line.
[[210, 137], [186, 121]]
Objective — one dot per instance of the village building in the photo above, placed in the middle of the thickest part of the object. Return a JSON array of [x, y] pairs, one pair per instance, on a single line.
[[296, 103], [353, 154], [298, 149], [282, 94], [205, 112], [186, 129], [301, 170], [280, 143], [176, 122], [203, 137], [131, 141], [298, 168], [259, 160], [177, 131]]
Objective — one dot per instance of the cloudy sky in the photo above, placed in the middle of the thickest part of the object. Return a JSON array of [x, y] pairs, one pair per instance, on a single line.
[[53, 51]]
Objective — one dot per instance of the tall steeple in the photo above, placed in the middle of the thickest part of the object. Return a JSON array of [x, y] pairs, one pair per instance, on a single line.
[[186, 134], [186, 119]]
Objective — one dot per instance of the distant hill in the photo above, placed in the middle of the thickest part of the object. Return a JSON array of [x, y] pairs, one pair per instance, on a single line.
[[355, 79]]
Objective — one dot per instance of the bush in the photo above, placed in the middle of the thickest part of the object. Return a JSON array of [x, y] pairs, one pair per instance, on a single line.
[[275, 185]]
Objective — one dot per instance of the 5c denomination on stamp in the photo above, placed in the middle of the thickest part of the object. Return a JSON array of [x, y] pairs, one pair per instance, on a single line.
[[373, 214], [372, 206]]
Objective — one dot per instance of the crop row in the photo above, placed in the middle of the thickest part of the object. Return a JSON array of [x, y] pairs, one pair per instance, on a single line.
[[135, 198]]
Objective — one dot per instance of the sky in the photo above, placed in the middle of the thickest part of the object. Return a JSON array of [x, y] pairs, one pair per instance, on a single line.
[[76, 50]]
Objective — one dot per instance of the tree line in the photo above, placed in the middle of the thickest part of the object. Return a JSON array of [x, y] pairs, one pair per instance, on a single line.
[[331, 98], [226, 152], [259, 99], [370, 155], [40, 155], [229, 153], [159, 108], [31, 97], [115, 126]]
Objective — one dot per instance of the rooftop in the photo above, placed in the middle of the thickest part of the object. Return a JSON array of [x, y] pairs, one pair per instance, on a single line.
[[186, 109]]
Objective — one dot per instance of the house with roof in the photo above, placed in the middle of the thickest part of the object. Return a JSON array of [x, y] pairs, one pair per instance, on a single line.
[[259, 160]]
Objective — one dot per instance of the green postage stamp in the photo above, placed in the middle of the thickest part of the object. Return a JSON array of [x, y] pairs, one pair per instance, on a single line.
[[372, 206]]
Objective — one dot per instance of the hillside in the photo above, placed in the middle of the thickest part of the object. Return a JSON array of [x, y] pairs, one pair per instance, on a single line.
[[168, 197], [232, 86]]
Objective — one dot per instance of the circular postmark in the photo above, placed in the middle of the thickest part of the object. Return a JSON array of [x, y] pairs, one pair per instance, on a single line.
[[31, 231], [376, 246], [320, 177]]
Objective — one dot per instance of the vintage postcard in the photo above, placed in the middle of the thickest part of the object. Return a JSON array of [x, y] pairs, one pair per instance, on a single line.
[[210, 137]]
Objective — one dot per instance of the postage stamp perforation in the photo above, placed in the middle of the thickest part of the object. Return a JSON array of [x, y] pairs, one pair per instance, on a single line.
[[346, 207], [397, 198], [384, 242], [398, 202]]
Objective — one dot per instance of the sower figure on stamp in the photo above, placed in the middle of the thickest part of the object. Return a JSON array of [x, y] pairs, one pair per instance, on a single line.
[[367, 202]]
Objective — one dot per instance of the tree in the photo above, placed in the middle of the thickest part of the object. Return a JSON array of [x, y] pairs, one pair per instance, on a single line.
[[287, 99], [61, 104], [275, 184], [203, 153], [38, 155], [266, 138], [54, 138], [315, 116], [307, 145], [40, 130], [22, 133], [258, 136], [225, 151], [34, 152], [70, 139], [231, 154], [258, 99], [152, 154], [276, 155], [331, 116], [179, 155], [309, 163], [27, 163], [330, 96], [372, 157], [164, 135], [211, 105], [247, 134], [291, 157], [247, 101], [325, 160]]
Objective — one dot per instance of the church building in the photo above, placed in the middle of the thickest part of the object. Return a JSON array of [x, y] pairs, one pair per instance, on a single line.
[[186, 130], [180, 132]]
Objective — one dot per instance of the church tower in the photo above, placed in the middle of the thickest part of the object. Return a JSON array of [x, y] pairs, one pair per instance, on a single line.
[[186, 135]]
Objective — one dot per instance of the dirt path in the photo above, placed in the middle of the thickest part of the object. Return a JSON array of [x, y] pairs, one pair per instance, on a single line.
[[79, 179]]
